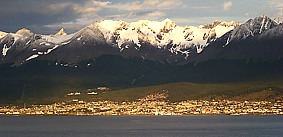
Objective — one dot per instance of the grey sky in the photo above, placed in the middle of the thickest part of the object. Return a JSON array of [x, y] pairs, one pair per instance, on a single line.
[[47, 16]]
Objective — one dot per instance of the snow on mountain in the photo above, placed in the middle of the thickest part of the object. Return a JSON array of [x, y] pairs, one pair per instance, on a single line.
[[24, 32], [2, 34], [28, 45], [5, 50], [143, 39], [164, 35], [251, 28], [279, 20], [56, 39], [161, 34], [61, 32]]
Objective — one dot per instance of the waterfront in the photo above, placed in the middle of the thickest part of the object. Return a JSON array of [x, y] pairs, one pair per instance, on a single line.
[[157, 126], [155, 104]]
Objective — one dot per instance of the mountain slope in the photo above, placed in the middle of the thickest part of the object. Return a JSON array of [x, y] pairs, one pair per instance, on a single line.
[[257, 39], [120, 54], [150, 40], [2, 34]]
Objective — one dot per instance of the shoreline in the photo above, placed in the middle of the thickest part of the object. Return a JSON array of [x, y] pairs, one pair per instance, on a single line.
[[148, 107], [240, 115]]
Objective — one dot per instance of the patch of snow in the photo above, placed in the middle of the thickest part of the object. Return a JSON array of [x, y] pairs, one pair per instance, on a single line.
[[5, 50], [129, 35], [199, 49], [28, 42], [57, 39], [32, 57], [45, 43], [65, 43], [221, 30], [262, 24], [78, 39], [2, 34], [227, 42], [34, 49], [61, 32], [108, 28], [50, 50], [158, 26]]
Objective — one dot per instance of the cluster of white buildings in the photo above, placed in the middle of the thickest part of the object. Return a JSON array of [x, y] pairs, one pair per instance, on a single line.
[[150, 105]]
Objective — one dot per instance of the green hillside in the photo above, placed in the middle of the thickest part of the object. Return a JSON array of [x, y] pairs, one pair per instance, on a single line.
[[264, 90], [130, 79]]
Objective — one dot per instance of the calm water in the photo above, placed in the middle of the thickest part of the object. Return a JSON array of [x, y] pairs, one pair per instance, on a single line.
[[148, 126]]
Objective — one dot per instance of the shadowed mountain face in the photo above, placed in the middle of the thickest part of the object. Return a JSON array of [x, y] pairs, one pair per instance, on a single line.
[[34, 65]]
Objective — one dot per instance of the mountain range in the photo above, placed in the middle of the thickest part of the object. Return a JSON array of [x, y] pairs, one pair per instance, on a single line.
[[122, 54]]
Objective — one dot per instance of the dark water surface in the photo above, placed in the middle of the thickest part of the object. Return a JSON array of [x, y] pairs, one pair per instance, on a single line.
[[148, 126]]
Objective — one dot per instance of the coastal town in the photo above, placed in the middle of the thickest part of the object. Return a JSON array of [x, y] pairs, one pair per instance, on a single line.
[[154, 104]]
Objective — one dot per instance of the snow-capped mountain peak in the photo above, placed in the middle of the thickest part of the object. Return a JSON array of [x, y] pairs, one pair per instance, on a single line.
[[61, 32], [260, 24], [2, 34], [143, 39], [220, 23], [279, 20], [161, 34], [251, 28], [24, 32]]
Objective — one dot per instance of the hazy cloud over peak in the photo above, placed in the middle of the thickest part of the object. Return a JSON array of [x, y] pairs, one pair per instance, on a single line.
[[227, 5], [278, 4]]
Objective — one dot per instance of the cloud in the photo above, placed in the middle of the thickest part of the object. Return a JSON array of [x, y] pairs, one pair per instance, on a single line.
[[227, 5], [278, 4], [88, 7], [139, 15], [156, 14], [142, 9], [39, 14], [131, 6], [147, 4], [163, 4]]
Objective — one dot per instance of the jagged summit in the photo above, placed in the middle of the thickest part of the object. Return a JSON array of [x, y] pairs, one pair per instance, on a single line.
[[162, 41], [61, 32], [24, 32], [161, 33], [2, 34], [151, 37], [279, 20], [252, 28], [221, 23]]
